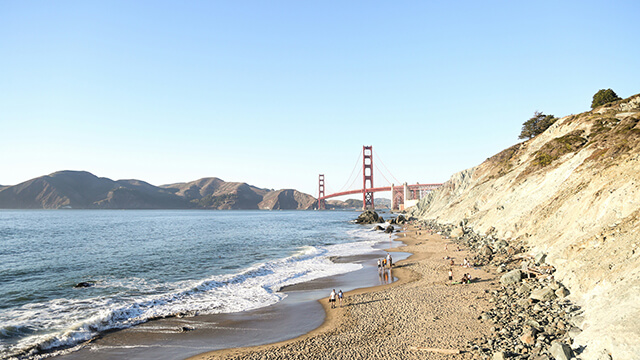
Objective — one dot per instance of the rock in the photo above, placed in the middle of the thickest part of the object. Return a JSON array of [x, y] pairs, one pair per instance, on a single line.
[[500, 244], [561, 351], [400, 220], [83, 284], [540, 258], [369, 217], [524, 289], [544, 294], [512, 277], [562, 292], [498, 355], [378, 228], [456, 233], [389, 229], [486, 251], [529, 336]]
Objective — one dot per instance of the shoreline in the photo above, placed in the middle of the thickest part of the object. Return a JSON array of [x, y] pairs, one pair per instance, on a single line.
[[354, 331], [300, 312]]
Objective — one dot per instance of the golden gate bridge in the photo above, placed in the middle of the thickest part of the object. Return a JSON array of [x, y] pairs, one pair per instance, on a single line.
[[402, 196]]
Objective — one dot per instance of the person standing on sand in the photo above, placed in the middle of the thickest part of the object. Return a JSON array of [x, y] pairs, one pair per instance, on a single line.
[[450, 274], [379, 265], [340, 295], [332, 299]]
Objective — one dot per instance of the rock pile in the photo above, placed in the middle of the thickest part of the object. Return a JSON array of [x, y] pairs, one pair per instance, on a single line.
[[531, 317]]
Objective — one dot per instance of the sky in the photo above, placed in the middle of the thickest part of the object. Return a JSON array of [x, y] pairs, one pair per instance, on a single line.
[[274, 93]]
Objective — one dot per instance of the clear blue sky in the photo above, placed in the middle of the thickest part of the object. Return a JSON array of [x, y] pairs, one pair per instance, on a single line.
[[273, 93]]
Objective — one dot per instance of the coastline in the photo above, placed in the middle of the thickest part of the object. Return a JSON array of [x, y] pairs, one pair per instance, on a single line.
[[297, 314], [421, 314]]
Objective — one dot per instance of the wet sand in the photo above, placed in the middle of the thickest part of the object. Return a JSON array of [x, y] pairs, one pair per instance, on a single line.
[[177, 338], [420, 316]]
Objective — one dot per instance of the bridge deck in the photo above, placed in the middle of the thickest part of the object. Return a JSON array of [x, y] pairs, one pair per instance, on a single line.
[[380, 189]]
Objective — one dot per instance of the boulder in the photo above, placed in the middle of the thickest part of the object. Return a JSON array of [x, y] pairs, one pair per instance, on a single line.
[[512, 277], [486, 251], [83, 284], [562, 292], [544, 294], [500, 244], [561, 351], [540, 258], [389, 229], [400, 220], [369, 217], [498, 355], [378, 228], [529, 336]]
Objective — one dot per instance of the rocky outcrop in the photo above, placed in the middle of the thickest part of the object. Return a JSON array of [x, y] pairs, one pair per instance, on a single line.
[[573, 194], [369, 217]]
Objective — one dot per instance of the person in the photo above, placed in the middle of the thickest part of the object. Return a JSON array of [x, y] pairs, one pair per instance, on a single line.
[[452, 262], [379, 265], [340, 295], [332, 298], [464, 279], [450, 274], [468, 278], [389, 260], [466, 263]]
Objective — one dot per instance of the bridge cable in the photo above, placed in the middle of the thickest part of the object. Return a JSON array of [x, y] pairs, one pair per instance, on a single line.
[[385, 167], [388, 182], [344, 187]]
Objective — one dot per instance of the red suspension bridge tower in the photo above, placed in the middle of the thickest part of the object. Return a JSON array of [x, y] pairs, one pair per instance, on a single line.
[[400, 195], [367, 178], [321, 201]]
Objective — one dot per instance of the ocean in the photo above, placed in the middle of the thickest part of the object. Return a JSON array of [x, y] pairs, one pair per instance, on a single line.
[[140, 265]]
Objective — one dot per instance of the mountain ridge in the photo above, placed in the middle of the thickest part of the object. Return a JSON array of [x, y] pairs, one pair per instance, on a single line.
[[69, 189]]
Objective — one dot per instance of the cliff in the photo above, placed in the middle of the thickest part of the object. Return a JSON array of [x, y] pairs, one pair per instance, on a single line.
[[572, 192]]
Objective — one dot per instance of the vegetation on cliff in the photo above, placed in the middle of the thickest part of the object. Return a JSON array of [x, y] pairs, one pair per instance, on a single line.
[[571, 192]]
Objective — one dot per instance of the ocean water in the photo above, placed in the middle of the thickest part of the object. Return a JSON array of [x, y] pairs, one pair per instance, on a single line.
[[148, 264]]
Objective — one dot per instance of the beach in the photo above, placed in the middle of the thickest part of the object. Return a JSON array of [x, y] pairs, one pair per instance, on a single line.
[[420, 316]]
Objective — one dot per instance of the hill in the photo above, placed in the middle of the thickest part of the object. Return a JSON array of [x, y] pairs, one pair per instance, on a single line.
[[573, 193], [83, 190]]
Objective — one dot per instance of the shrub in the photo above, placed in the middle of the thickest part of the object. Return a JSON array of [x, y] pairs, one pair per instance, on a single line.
[[536, 125], [603, 97]]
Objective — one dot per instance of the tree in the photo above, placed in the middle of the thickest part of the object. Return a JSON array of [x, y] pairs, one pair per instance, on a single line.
[[603, 97], [536, 125]]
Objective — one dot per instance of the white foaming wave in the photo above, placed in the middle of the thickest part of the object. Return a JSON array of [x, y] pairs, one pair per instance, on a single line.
[[66, 322]]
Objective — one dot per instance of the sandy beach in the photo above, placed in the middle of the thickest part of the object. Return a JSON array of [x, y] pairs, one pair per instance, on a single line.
[[420, 316]]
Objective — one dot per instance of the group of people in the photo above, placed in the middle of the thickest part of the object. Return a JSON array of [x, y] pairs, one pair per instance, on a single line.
[[385, 262], [466, 278], [333, 296]]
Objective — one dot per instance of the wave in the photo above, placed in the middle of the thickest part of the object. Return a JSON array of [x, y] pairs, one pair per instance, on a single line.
[[43, 327]]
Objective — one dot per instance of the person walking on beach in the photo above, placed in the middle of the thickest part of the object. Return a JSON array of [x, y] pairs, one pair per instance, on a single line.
[[332, 299], [340, 295]]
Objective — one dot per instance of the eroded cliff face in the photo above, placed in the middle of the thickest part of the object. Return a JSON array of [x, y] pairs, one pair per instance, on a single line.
[[572, 192]]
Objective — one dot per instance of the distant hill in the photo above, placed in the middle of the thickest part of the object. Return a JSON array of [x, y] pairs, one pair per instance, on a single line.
[[287, 199], [83, 190], [380, 203]]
